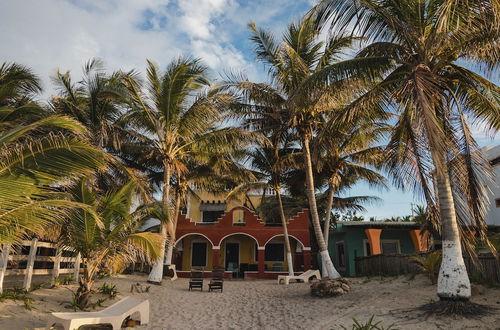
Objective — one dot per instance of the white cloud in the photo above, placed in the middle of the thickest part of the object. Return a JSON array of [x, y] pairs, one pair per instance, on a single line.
[[62, 34]]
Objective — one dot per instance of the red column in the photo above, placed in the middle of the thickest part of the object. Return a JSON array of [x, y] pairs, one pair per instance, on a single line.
[[215, 257], [261, 262], [307, 259]]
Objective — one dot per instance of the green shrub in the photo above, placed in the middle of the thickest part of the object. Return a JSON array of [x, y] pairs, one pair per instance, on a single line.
[[369, 325], [108, 289], [430, 264]]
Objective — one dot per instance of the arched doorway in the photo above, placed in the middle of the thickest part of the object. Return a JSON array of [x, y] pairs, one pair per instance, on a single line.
[[193, 251], [239, 254], [275, 258]]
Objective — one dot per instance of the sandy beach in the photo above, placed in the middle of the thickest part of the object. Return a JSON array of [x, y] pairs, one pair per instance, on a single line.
[[262, 304]]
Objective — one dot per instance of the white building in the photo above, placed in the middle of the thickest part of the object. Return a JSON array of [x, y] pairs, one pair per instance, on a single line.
[[493, 215]]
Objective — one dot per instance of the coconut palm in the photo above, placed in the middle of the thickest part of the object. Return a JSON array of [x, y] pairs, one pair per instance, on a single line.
[[96, 101], [269, 165], [107, 238], [301, 67], [428, 43], [177, 117], [37, 157], [345, 156]]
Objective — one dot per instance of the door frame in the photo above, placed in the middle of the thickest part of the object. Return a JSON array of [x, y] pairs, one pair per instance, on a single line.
[[191, 254], [225, 252]]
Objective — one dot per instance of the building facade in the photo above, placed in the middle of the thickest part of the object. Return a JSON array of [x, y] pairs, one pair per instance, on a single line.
[[493, 215], [353, 239], [213, 231]]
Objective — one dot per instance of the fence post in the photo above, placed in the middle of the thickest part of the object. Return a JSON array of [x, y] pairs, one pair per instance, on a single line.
[[57, 263], [4, 260], [76, 272], [29, 265]]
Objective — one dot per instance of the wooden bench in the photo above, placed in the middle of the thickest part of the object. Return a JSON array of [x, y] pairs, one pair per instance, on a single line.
[[304, 277], [114, 315]]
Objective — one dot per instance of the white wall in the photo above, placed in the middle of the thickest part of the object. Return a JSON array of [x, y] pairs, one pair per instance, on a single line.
[[493, 215]]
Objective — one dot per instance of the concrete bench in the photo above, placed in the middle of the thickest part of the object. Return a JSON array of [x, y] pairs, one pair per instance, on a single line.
[[114, 315], [304, 277]]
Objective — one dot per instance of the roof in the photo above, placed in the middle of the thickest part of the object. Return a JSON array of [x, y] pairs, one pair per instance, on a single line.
[[379, 224]]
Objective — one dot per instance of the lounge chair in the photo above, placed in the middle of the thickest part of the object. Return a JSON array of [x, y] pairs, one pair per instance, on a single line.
[[217, 281], [304, 277], [196, 280], [114, 315]]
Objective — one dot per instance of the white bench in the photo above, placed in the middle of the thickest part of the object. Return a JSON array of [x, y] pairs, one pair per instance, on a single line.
[[114, 315], [304, 277]]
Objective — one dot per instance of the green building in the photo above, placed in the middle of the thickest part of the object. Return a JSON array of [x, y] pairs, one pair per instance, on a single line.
[[352, 239]]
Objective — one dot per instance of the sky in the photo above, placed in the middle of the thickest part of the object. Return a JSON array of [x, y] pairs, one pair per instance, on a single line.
[[51, 35]]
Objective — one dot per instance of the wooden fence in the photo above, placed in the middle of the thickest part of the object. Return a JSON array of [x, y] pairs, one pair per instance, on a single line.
[[37, 258], [486, 270]]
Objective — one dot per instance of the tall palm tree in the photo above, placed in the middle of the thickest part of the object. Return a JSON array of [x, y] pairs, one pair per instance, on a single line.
[[269, 166], [178, 116], [108, 237], [345, 156], [38, 156], [428, 43], [301, 67]]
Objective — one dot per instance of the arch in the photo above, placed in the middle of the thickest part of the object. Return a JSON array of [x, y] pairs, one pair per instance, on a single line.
[[239, 233], [298, 240], [188, 234]]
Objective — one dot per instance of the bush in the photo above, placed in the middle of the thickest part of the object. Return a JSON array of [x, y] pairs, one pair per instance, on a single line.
[[108, 289], [430, 264]]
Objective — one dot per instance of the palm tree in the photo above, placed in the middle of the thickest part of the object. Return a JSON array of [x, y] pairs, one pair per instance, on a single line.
[[176, 118], [269, 165], [301, 67], [107, 238], [97, 101], [37, 157], [345, 156], [427, 43]]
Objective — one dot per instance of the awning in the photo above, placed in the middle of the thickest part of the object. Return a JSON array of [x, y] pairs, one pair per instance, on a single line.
[[212, 206]]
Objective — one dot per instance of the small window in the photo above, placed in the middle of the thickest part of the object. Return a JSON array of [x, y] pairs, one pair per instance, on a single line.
[[341, 254], [497, 202], [199, 254], [390, 247], [212, 216], [275, 252], [238, 216]]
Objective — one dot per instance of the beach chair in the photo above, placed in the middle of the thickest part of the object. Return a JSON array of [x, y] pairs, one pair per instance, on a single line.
[[304, 277], [196, 280], [217, 281], [114, 315]]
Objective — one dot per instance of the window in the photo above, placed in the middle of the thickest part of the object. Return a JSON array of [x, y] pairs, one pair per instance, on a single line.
[[341, 254], [275, 252], [497, 202], [238, 217], [368, 249], [199, 254], [390, 247], [211, 216]]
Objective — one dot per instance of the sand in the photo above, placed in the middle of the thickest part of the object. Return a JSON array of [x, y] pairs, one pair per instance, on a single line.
[[262, 304]]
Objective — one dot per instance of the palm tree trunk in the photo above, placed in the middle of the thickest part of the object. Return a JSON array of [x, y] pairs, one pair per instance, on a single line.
[[328, 268], [453, 280], [285, 233], [171, 241], [329, 206], [156, 274]]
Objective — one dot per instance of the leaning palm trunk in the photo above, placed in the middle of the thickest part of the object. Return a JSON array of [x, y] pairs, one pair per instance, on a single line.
[[453, 280], [285, 233], [172, 238], [156, 274], [329, 206], [328, 268]]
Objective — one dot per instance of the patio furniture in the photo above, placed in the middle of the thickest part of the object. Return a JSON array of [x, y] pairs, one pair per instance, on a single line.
[[217, 281], [196, 280], [304, 277], [114, 315], [276, 267]]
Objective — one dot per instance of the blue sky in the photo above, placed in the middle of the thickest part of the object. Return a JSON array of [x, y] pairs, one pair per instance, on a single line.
[[48, 35]]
